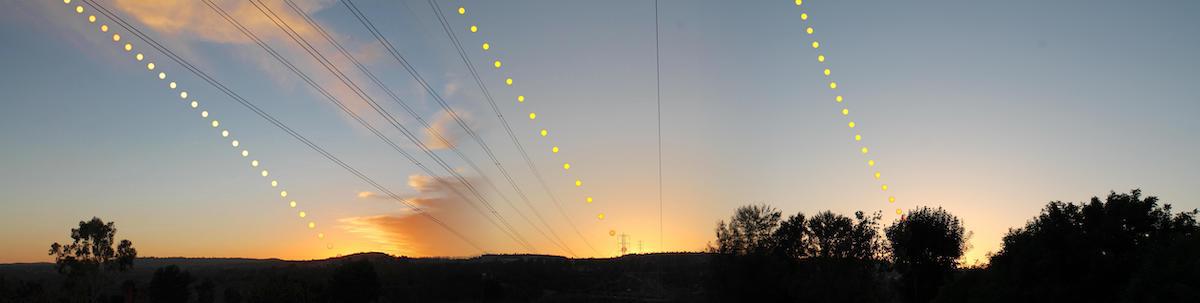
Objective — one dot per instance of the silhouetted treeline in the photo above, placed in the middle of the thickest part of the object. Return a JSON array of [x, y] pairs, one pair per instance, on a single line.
[[1124, 248]]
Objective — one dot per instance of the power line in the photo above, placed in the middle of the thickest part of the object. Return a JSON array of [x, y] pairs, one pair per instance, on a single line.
[[507, 128], [366, 22], [658, 101], [266, 116], [510, 232], [411, 112]]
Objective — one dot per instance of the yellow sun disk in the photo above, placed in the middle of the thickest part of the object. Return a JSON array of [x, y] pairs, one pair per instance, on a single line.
[[566, 166], [474, 28], [496, 64], [486, 46], [532, 116], [545, 133], [589, 200], [462, 10], [554, 149], [508, 81], [816, 44], [578, 183], [820, 58], [521, 99], [832, 85]]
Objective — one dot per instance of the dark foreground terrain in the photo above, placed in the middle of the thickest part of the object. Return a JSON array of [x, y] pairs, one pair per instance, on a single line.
[[490, 278]]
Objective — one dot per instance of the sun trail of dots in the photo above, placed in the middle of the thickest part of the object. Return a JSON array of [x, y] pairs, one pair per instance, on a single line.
[[162, 75]]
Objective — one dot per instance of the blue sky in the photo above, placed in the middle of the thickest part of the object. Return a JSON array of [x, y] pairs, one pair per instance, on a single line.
[[989, 109]]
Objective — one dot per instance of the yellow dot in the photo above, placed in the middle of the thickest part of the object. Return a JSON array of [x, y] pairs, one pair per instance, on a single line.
[[462, 10], [303, 214], [832, 85], [578, 183], [235, 143], [116, 37], [66, 1], [79, 9], [820, 58], [838, 99], [891, 199], [139, 56], [128, 47], [508, 81], [877, 175], [195, 104], [162, 76], [92, 19], [225, 133], [870, 162], [474, 28], [265, 173], [312, 225], [899, 212], [798, 2], [827, 72], [816, 44], [883, 187], [216, 123], [545, 133], [182, 95], [496, 64], [204, 114], [254, 163], [172, 85], [283, 194], [292, 204], [521, 99], [612, 233], [864, 150], [803, 16], [104, 28], [532, 116], [554, 149], [851, 124], [845, 111], [321, 236], [486, 46], [600, 216], [150, 66], [857, 137], [809, 30], [589, 200], [245, 153], [274, 183], [566, 166]]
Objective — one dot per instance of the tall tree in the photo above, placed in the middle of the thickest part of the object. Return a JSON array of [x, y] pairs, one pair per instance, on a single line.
[[837, 236], [90, 253], [749, 231], [925, 248], [791, 239]]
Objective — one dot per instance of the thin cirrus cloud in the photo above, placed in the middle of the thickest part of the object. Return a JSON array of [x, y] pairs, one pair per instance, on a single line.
[[193, 21]]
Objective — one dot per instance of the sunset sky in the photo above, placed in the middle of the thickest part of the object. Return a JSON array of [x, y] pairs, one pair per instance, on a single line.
[[989, 109]]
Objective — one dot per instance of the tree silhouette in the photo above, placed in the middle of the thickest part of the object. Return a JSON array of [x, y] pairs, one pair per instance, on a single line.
[[837, 236], [354, 282], [791, 239], [1101, 251], [170, 285], [925, 248], [206, 292], [749, 231], [91, 252]]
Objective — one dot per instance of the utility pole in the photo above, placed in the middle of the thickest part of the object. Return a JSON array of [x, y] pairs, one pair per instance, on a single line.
[[624, 244]]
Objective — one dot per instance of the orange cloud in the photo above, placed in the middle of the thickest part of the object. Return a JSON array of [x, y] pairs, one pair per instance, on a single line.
[[410, 233], [444, 124]]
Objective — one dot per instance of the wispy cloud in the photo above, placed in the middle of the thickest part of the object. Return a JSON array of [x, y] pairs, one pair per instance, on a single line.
[[408, 232]]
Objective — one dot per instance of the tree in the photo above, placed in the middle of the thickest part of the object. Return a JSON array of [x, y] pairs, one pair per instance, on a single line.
[[749, 231], [91, 252], [837, 236], [170, 285], [925, 248], [1101, 251], [354, 282], [791, 239]]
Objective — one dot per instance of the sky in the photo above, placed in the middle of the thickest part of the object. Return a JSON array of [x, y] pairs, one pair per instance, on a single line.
[[988, 109]]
